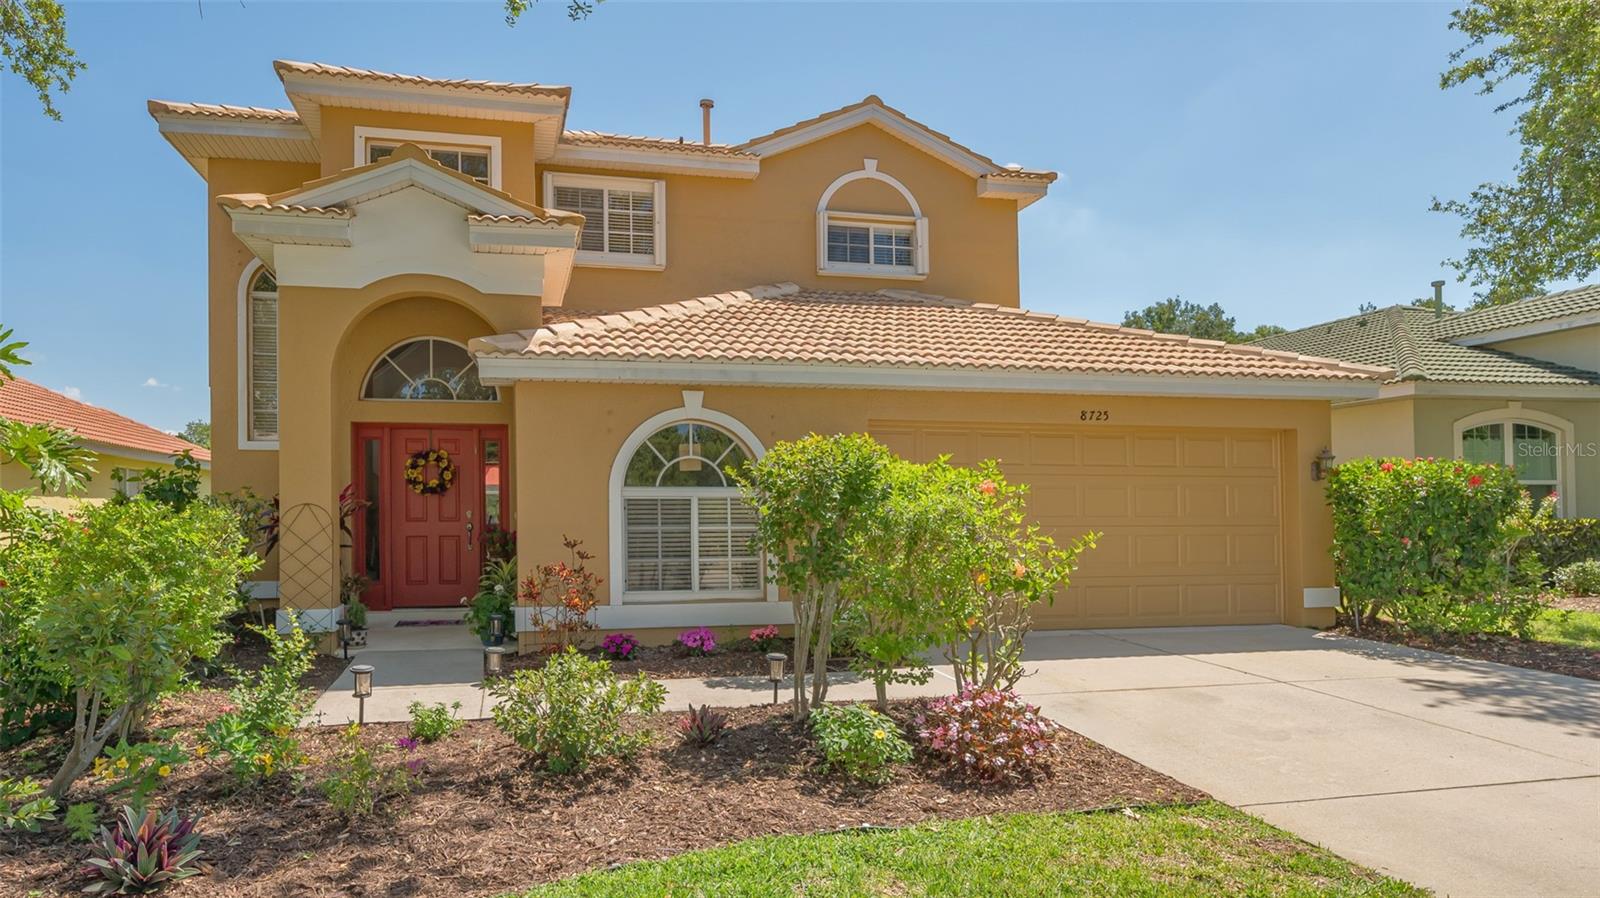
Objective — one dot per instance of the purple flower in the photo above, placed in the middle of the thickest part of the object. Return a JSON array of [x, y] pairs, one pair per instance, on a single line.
[[406, 743]]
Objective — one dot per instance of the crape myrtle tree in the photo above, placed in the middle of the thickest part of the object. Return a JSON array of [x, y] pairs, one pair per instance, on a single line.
[[814, 498]]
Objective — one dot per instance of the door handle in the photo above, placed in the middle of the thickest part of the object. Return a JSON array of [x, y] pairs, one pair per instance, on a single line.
[[469, 530]]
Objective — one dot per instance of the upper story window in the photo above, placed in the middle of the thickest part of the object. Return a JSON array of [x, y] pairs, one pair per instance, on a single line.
[[852, 242], [260, 359], [625, 219], [477, 157], [427, 369]]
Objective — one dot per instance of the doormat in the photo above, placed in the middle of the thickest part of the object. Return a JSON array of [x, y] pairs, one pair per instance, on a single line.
[[432, 622]]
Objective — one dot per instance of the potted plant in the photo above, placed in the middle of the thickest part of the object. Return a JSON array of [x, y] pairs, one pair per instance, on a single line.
[[355, 614], [497, 597]]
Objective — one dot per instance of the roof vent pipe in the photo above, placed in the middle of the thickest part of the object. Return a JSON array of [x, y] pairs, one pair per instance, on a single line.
[[705, 121], [1438, 299]]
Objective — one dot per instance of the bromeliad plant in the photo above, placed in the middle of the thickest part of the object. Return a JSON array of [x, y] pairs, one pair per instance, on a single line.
[[699, 727], [147, 851]]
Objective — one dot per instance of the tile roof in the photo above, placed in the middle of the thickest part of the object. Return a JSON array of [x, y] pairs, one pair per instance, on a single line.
[[634, 141], [894, 328], [1524, 311], [289, 66], [1415, 342], [26, 401], [875, 100], [220, 110]]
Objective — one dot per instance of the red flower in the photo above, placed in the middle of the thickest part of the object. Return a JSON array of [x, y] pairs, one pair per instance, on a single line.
[[1474, 480], [988, 487], [1405, 541], [1386, 467]]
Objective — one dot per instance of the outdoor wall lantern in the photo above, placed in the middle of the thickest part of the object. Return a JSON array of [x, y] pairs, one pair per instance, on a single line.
[[775, 662], [363, 690], [1322, 464], [494, 661]]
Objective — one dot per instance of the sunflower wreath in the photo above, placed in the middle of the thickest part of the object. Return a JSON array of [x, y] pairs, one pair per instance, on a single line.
[[417, 472]]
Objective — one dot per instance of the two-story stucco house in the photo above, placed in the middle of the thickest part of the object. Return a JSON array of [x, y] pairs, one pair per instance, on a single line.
[[593, 326]]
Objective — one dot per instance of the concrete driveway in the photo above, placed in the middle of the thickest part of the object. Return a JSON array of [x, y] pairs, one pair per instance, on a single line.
[[1470, 778]]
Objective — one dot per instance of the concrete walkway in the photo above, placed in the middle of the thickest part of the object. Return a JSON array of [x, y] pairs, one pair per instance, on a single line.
[[1470, 778]]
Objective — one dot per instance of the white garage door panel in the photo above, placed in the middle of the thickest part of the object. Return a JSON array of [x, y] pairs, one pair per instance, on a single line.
[[1191, 519]]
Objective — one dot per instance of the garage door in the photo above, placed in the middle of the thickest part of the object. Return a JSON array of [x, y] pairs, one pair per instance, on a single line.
[[1192, 518]]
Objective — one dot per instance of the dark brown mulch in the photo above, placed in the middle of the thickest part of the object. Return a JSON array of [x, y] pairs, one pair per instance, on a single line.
[[667, 662], [484, 821], [248, 652], [1575, 603], [1574, 661]]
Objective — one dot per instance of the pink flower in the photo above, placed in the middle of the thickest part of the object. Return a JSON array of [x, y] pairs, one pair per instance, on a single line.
[[988, 487], [1474, 480], [1386, 467]]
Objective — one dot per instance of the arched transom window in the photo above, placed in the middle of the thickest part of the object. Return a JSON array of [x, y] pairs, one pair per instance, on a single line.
[[427, 369], [687, 530], [1534, 451]]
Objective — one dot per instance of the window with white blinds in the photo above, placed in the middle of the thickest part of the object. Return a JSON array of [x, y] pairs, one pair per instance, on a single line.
[[870, 247], [261, 359], [624, 218], [687, 533]]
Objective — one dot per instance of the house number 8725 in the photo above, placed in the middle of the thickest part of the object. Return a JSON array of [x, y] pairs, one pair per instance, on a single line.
[[1094, 414]]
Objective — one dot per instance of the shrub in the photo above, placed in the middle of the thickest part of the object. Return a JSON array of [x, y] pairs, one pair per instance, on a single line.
[[991, 735], [257, 734], [765, 638], [703, 726], [81, 821], [359, 783], [32, 697], [619, 646], [569, 712], [1560, 541], [138, 768], [137, 591], [497, 596], [1580, 578], [146, 852], [430, 723], [176, 487], [564, 593], [698, 641], [23, 807], [1434, 543], [859, 742]]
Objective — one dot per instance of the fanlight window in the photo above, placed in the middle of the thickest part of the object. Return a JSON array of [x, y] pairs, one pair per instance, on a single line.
[[428, 369], [687, 529], [1533, 451]]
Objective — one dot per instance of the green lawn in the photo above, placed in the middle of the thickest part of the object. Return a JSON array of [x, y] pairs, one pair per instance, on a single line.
[[1580, 628], [1209, 849]]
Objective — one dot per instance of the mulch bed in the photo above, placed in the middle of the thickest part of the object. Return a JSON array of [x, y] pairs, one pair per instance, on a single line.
[[1574, 661], [1575, 603], [485, 821], [669, 662]]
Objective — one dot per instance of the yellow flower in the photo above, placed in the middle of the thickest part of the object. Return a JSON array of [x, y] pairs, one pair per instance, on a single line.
[[122, 763], [280, 731], [164, 770], [880, 735], [200, 751]]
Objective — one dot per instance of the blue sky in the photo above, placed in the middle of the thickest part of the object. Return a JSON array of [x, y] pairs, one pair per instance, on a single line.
[[1276, 158]]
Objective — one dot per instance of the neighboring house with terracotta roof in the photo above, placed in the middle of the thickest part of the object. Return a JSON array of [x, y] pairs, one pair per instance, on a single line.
[[1517, 383], [401, 264], [118, 442]]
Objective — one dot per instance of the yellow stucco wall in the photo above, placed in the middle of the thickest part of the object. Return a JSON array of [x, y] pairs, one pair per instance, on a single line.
[[564, 472], [516, 141], [100, 485], [1375, 429]]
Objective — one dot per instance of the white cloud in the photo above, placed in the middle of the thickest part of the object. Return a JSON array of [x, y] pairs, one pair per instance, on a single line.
[[152, 382], [72, 393]]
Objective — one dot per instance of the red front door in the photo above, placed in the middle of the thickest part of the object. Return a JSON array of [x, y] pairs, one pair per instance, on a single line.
[[423, 549]]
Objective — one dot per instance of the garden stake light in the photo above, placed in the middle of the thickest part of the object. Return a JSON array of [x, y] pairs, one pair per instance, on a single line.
[[775, 662], [363, 675], [494, 661], [497, 630], [344, 637]]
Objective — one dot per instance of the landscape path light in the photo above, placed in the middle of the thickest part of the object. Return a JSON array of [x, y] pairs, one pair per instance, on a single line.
[[775, 662], [363, 690]]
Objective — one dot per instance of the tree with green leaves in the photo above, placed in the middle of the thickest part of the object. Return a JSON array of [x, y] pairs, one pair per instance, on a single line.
[[197, 432], [50, 455], [1175, 316], [33, 38], [815, 497], [1544, 225]]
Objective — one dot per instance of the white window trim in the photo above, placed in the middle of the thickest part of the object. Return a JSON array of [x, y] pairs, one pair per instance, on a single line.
[[917, 221], [384, 356], [1514, 413], [593, 259], [242, 409], [692, 410], [438, 140]]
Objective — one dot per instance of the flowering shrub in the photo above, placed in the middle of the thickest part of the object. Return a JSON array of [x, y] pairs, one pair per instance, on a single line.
[[256, 734], [147, 851], [859, 742], [430, 723], [1435, 544], [359, 783], [765, 638], [569, 712], [619, 646], [991, 735], [137, 769], [1580, 578], [699, 641]]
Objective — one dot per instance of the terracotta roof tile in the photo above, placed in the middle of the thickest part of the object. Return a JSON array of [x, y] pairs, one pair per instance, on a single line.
[[26, 401], [674, 144], [286, 66], [784, 324], [219, 110]]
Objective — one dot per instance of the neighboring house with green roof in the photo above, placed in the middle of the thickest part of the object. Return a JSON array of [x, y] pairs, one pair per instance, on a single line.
[[1517, 383]]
